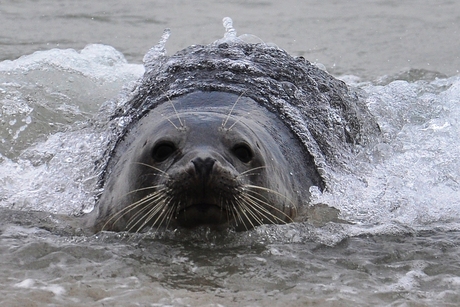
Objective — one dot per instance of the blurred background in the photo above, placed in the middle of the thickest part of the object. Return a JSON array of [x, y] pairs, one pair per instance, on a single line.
[[365, 38]]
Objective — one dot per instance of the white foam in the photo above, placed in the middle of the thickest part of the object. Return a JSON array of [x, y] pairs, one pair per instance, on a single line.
[[33, 285]]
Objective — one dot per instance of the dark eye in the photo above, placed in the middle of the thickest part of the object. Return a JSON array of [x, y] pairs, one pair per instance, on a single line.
[[163, 151], [243, 152]]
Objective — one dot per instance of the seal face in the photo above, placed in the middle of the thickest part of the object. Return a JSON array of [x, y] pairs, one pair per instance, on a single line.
[[206, 158]]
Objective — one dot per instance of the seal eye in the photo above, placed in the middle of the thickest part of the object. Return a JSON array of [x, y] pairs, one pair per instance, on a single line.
[[163, 151], [243, 152]]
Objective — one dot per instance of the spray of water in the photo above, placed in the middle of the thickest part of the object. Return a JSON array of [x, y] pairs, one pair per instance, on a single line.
[[157, 51]]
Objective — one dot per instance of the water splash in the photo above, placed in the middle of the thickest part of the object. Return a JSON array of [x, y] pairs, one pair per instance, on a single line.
[[230, 31], [157, 51], [51, 138], [230, 35]]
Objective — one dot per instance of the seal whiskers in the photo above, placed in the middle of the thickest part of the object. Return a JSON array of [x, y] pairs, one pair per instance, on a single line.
[[249, 171], [182, 124], [292, 204], [261, 208], [162, 210], [115, 218], [237, 210], [224, 122], [153, 167], [155, 205]]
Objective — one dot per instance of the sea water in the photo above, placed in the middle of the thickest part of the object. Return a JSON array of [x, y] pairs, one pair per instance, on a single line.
[[397, 242]]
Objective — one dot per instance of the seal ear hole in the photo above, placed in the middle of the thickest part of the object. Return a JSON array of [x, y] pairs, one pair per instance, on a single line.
[[243, 152], [163, 151]]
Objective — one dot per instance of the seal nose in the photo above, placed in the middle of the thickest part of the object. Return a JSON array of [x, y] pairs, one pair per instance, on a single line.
[[203, 167]]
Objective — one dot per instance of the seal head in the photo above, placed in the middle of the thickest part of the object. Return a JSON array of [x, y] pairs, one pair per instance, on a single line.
[[206, 159], [172, 162]]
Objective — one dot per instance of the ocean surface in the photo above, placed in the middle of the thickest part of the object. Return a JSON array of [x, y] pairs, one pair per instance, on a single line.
[[395, 241]]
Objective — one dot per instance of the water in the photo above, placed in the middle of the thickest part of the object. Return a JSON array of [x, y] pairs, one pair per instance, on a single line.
[[400, 243]]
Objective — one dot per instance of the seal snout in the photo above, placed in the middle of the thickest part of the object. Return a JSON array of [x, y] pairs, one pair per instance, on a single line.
[[203, 167], [203, 182]]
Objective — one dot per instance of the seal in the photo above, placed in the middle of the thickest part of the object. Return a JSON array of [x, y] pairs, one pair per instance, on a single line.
[[230, 134]]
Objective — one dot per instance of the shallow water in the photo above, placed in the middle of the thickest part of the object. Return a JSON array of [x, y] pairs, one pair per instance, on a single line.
[[231, 270], [400, 244]]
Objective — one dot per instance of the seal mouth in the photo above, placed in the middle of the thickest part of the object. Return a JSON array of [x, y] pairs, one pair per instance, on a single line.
[[202, 213], [204, 207]]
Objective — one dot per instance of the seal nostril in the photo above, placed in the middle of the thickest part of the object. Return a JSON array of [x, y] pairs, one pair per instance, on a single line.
[[203, 167]]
